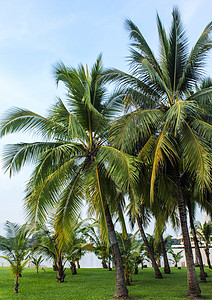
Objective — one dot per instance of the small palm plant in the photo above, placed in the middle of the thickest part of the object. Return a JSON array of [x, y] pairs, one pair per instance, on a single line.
[[49, 246], [100, 241], [205, 232], [15, 247], [37, 262], [128, 245], [77, 245], [176, 256]]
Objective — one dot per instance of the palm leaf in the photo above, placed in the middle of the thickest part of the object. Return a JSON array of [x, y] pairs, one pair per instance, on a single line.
[[133, 127], [195, 154]]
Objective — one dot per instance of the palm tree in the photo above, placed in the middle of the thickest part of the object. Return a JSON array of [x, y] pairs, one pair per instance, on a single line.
[[77, 245], [128, 246], [74, 160], [37, 262], [165, 116], [164, 252], [16, 249], [49, 245], [205, 232], [176, 256], [100, 243]]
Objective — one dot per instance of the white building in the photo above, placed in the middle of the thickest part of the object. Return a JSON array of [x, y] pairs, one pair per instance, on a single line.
[[179, 247]]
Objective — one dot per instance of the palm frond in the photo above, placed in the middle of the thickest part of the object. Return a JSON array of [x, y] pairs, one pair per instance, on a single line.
[[17, 119], [133, 127], [194, 69], [139, 42], [164, 148], [195, 154], [179, 112], [204, 129]]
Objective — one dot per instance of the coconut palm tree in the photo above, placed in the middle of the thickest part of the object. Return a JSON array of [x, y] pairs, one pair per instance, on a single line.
[[128, 246], [49, 245], [205, 232], [102, 247], [37, 262], [165, 116], [74, 160], [141, 213], [77, 245], [176, 256], [16, 248]]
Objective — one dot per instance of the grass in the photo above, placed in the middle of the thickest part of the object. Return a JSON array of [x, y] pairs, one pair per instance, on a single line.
[[97, 284]]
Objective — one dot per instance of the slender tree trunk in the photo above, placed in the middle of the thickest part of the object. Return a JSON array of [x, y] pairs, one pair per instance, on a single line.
[[197, 249], [109, 267], [159, 263], [207, 253], [55, 267], [78, 264], [73, 268], [16, 284], [150, 253], [136, 269], [104, 264], [127, 276], [60, 271], [165, 258], [121, 288], [193, 285]]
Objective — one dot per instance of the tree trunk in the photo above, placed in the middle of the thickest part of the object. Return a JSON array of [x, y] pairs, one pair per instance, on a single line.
[[78, 264], [207, 253], [197, 249], [158, 263], [73, 268], [136, 270], [149, 251], [109, 267], [104, 264], [121, 288], [193, 285], [16, 284], [165, 258], [127, 276], [60, 271], [55, 267]]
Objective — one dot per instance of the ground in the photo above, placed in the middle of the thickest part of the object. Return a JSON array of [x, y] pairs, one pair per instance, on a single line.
[[97, 284]]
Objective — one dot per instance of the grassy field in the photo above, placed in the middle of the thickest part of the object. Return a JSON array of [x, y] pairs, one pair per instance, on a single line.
[[97, 284]]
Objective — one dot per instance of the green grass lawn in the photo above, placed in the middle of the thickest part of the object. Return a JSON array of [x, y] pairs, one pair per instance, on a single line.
[[97, 284]]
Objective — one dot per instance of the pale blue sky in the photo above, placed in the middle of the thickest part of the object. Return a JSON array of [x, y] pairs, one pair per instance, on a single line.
[[34, 35]]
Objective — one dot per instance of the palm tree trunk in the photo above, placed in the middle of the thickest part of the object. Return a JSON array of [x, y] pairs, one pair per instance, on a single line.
[[121, 288], [16, 284], [60, 271], [197, 249], [151, 255], [104, 264], [208, 256], [109, 267], [73, 268], [165, 258], [78, 264], [193, 285]]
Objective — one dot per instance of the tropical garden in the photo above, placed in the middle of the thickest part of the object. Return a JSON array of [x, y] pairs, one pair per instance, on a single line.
[[139, 153]]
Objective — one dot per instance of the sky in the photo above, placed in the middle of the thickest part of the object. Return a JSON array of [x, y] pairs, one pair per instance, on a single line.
[[36, 34]]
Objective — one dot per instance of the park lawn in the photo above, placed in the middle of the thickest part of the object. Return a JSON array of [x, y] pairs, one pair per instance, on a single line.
[[97, 284]]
